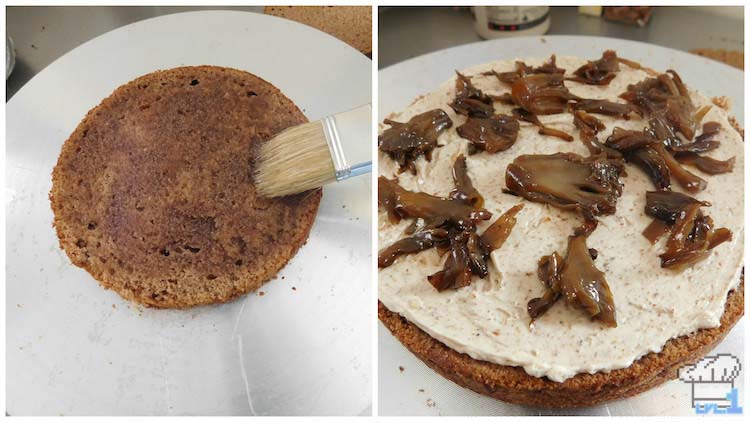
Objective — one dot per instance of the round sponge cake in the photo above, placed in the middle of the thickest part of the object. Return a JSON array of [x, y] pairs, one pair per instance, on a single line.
[[153, 192]]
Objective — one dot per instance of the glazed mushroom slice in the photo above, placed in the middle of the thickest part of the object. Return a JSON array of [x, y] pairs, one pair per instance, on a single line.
[[589, 127], [643, 149], [542, 93], [666, 97], [448, 224], [568, 181], [497, 233], [605, 107], [625, 141], [435, 211], [469, 252], [702, 143], [456, 272], [465, 190], [412, 244], [577, 279], [532, 118], [705, 164], [471, 101], [685, 178], [405, 142], [598, 72], [653, 164], [493, 134], [522, 69], [691, 233]]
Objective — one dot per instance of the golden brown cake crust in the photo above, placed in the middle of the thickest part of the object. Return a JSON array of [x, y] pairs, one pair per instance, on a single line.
[[513, 384], [350, 24], [153, 192]]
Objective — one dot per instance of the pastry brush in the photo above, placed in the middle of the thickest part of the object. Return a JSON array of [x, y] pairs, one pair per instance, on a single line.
[[311, 155]]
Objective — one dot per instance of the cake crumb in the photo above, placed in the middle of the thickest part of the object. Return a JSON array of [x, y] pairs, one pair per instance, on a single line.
[[294, 288], [421, 390], [261, 293], [401, 369]]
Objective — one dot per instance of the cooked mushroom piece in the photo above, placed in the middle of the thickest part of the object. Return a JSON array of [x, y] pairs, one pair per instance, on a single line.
[[493, 134], [686, 179], [542, 93], [497, 233], [401, 203], [465, 190], [530, 117], [598, 72], [471, 101], [605, 107], [478, 255], [589, 126], [665, 96], [578, 280], [668, 205], [691, 233], [522, 69], [405, 142], [583, 285], [626, 141], [652, 163], [705, 164], [412, 244], [568, 181], [456, 272], [548, 272]]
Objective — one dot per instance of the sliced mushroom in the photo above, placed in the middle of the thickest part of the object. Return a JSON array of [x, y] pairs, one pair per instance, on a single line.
[[471, 101], [691, 233], [412, 244], [493, 134], [567, 181], [530, 117], [522, 69], [465, 190], [653, 164], [605, 107], [686, 179], [705, 164], [577, 279], [405, 142], [667, 97], [401, 203], [542, 93], [598, 72], [497, 233], [456, 272], [625, 141], [589, 126]]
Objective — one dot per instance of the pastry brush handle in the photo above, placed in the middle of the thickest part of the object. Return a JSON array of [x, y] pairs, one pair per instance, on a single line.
[[349, 136]]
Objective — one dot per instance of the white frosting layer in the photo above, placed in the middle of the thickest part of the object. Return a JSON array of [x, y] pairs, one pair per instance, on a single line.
[[488, 320]]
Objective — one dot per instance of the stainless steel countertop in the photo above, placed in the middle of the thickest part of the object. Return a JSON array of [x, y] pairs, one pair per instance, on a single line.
[[42, 34], [406, 32]]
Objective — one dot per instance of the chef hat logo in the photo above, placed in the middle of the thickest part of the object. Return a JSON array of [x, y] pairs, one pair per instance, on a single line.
[[718, 368]]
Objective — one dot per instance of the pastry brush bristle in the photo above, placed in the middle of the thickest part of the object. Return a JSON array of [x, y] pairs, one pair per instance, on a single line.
[[295, 160]]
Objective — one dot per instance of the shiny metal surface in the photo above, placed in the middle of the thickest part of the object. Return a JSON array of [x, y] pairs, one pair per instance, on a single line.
[[43, 34]]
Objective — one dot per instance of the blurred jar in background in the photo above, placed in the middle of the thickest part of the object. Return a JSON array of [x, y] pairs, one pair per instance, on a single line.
[[509, 21]]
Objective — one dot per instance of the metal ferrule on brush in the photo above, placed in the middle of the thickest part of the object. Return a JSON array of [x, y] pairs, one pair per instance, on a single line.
[[352, 126]]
